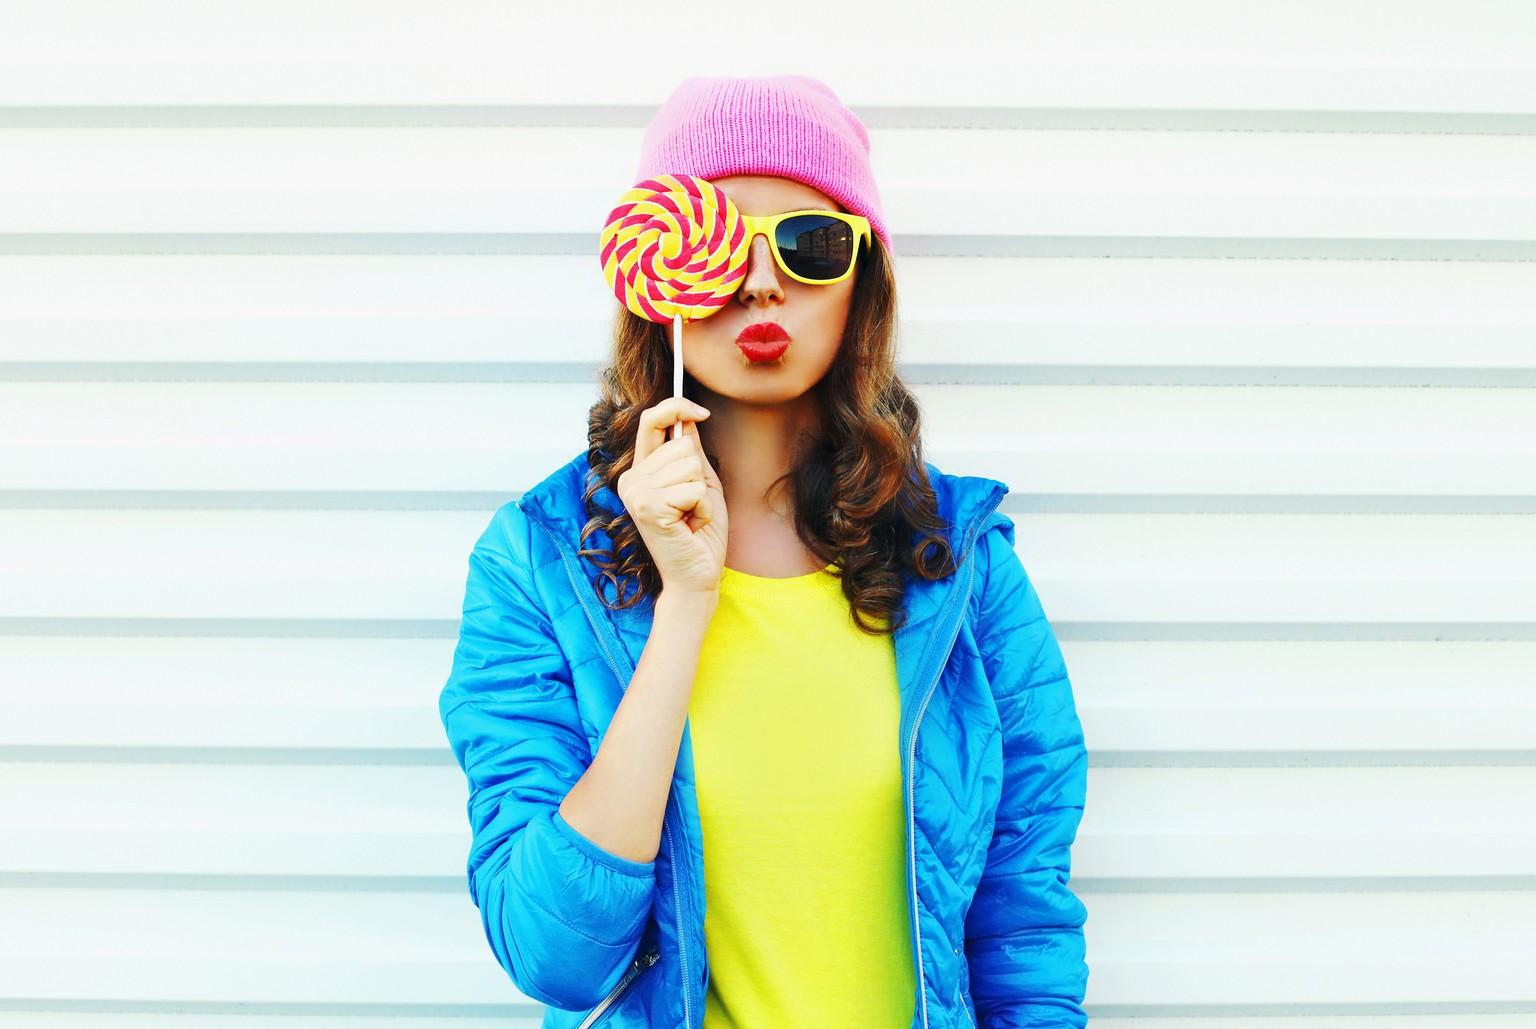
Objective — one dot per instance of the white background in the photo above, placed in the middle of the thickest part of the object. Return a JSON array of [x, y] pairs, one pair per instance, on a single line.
[[1239, 299]]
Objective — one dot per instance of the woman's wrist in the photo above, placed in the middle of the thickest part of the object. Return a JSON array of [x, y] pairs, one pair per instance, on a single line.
[[688, 604]]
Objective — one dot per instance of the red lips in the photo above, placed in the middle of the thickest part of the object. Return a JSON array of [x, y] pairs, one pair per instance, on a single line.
[[763, 342]]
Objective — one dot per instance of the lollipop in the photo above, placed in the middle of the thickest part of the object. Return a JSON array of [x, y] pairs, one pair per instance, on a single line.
[[671, 251]]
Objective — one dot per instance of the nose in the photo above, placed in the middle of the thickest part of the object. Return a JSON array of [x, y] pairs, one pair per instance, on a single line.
[[762, 279]]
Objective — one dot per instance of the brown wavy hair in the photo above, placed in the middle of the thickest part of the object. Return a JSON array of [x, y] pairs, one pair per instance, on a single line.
[[861, 496]]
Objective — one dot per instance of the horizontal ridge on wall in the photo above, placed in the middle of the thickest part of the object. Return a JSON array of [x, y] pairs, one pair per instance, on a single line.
[[336, 628], [153, 244], [911, 372], [1015, 503], [638, 115]]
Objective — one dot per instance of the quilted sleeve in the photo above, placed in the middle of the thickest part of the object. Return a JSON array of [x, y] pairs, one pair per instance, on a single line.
[[1024, 939], [563, 916]]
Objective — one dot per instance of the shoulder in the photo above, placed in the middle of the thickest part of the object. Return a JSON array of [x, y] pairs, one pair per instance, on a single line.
[[556, 507], [967, 504], [507, 535], [501, 563], [515, 560], [982, 539]]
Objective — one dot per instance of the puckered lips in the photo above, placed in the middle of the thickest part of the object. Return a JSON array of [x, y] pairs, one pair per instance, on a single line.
[[763, 342]]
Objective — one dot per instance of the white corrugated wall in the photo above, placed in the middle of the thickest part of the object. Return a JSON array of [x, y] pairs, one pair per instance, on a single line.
[[1239, 299]]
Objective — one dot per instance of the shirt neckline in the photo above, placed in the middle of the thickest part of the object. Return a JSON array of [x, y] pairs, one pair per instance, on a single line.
[[737, 582]]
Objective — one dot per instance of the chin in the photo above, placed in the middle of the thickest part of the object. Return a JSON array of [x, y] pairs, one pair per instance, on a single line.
[[777, 395], [760, 393]]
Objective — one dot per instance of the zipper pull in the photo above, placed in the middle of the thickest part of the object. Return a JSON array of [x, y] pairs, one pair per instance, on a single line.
[[636, 966]]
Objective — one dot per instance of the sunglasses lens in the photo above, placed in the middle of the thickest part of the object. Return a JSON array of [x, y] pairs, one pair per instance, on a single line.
[[816, 246]]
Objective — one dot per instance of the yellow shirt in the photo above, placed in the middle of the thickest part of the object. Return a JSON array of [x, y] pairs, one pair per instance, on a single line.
[[794, 722]]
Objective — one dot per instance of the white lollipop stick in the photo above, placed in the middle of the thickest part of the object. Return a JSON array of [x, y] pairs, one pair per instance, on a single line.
[[677, 366]]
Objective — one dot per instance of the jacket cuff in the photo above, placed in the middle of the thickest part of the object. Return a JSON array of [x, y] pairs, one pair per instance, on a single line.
[[564, 925], [623, 865]]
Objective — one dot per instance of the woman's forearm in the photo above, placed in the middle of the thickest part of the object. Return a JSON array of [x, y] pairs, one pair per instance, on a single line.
[[618, 803]]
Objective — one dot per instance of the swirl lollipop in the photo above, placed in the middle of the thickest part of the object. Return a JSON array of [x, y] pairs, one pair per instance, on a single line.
[[672, 251]]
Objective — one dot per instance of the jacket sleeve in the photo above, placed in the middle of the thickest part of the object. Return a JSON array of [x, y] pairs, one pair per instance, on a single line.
[[1024, 939], [563, 916]]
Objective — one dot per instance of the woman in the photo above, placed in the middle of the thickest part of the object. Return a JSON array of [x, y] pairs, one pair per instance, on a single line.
[[764, 724]]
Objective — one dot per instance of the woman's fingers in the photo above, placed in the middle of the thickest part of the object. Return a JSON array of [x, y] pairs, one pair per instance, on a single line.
[[686, 467], [654, 421], [675, 503], [703, 512], [668, 492], [675, 462], [685, 449]]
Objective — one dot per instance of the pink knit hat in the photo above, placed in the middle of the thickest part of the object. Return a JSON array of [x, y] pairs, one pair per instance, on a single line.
[[792, 126]]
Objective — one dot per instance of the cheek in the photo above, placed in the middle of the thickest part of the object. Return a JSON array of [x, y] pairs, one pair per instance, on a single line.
[[838, 308], [831, 303]]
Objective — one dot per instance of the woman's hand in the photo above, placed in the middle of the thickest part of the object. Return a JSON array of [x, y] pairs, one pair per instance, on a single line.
[[675, 499]]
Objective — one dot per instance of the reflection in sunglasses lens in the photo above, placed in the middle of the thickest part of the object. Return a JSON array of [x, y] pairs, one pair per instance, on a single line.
[[815, 246]]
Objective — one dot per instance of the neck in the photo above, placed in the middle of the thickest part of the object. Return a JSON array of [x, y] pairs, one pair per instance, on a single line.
[[752, 445]]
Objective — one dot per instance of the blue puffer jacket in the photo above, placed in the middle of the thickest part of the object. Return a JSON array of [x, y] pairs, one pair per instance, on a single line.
[[992, 756]]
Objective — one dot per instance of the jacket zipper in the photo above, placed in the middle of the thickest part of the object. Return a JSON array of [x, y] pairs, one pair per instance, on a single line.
[[917, 920], [640, 964], [677, 904]]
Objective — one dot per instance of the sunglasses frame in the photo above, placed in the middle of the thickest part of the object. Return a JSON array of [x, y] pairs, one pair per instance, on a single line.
[[767, 224]]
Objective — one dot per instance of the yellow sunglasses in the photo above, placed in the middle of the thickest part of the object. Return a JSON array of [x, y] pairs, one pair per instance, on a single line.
[[815, 247]]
